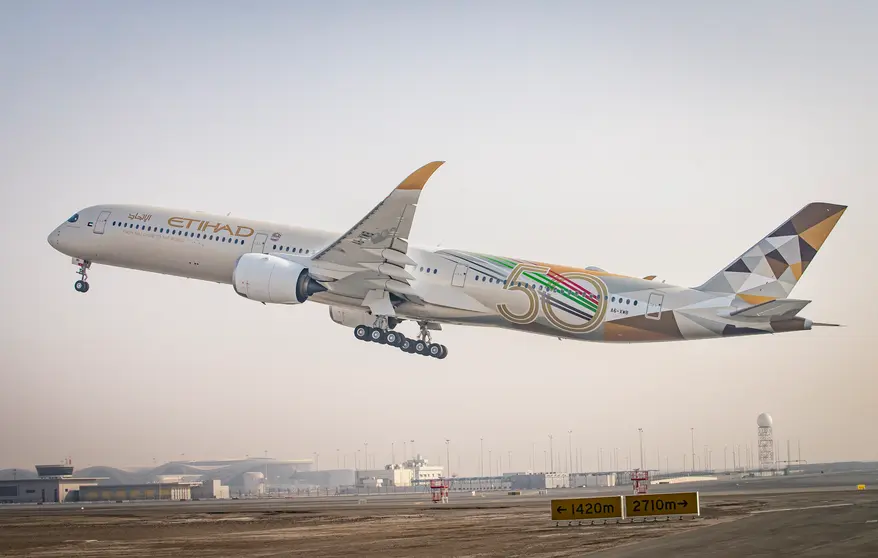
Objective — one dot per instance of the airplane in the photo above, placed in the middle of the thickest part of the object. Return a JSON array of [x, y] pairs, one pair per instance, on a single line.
[[372, 279]]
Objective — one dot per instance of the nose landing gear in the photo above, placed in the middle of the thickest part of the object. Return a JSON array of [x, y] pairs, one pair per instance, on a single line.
[[81, 285]]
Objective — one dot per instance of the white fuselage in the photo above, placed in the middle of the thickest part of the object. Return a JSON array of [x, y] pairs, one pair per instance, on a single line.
[[444, 286]]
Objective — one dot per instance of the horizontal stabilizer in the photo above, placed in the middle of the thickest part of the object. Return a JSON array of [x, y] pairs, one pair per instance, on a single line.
[[783, 309]]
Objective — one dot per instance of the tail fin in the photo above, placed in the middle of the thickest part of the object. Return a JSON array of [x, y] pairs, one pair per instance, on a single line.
[[770, 269]]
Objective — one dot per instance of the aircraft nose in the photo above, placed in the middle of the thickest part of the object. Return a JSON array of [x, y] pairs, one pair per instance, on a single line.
[[54, 238]]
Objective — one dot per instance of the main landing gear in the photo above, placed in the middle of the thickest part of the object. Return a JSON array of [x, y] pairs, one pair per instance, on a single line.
[[423, 345], [81, 285]]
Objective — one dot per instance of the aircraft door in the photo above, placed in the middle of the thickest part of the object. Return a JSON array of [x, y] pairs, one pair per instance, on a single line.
[[101, 223], [459, 277], [654, 306], [259, 243]]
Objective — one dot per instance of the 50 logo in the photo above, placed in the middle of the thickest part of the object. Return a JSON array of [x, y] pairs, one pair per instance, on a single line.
[[574, 302]]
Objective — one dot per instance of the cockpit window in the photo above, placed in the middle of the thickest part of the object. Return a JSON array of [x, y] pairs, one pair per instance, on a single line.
[[73, 219]]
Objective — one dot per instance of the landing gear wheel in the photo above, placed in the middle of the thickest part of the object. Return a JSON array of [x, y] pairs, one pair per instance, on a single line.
[[435, 350], [377, 336], [362, 332], [406, 345], [393, 338], [421, 347], [82, 266], [444, 352]]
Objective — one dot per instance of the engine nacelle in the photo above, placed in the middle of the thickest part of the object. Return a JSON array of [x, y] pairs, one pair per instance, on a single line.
[[349, 317], [267, 278]]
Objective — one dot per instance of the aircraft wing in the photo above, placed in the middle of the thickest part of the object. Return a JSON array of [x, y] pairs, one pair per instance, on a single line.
[[371, 256], [773, 309]]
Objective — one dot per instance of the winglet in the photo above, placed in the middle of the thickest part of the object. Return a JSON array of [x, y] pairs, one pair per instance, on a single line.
[[419, 178]]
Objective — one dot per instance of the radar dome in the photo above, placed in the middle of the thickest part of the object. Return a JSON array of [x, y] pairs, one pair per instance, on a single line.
[[764, 420]]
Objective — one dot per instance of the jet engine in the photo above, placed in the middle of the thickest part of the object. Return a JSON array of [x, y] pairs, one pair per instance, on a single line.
[[267, 278]]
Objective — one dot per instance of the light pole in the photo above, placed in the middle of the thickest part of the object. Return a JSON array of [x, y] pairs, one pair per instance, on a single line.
[[447, 458], [640, 430], [337, 457], [693, 448], [551, 456], [366, 454], [570, 451]]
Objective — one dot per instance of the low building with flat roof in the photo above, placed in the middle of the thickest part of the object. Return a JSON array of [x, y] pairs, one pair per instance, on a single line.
[[59, 489], [122, 492]]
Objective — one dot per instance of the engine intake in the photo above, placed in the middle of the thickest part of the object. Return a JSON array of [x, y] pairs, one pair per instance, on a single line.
[[267, 278]]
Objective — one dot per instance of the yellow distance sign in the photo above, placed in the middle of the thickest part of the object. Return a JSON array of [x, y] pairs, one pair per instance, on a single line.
[[649, 505], [577, 509]]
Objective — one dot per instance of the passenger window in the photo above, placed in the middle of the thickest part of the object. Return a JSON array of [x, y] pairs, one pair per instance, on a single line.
[[628, 301], [614, 299], [300, 250], [428, 270], [307, 251], [211, 237], [422, 270], [635, 303], [273, 247], [434, 270]]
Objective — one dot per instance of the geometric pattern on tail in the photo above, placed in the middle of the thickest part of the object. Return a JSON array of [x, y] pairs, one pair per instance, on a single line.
[[772, 267]]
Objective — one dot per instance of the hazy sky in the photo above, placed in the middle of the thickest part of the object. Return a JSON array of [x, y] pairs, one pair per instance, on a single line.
[[642, 137]]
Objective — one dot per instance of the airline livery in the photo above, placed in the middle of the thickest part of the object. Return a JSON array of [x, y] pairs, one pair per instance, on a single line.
[[372, 279]]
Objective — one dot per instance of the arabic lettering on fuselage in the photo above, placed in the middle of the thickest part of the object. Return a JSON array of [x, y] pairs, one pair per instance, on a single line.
[[139, 217], [204, 226]]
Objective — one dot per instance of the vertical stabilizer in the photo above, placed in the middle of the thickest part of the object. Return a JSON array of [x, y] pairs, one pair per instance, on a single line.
[[770, 269]]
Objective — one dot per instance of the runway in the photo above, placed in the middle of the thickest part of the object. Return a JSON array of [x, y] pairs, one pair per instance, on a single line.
[[811, 515]]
